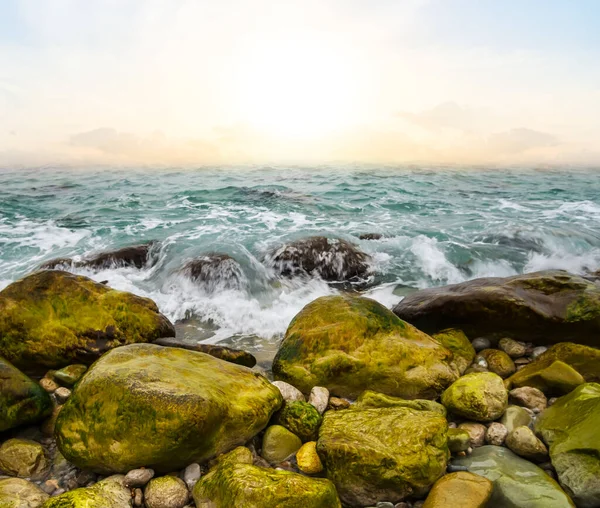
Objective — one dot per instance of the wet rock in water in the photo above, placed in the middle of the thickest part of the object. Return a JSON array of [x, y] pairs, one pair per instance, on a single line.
[[467, 490], [514, 417], [215, 271], [457, 342], [481, 343], [19, 493], [22, 400], [372, 400], [92, 320], [570, 428], [370, 236], [301, 418], [517, 482], [319, 397], [382, 454], [161, 407], [70, 374], [234, 481], [480, 396], [308, 459], [523, 442], [498, 362], [288, 392], [332, 259], [496, 434], [459, 440], [279, 443], [138, 477], [228, 354], [191, 475], [560, 369], [530, 397], [349, 344], [512, 348], [108, 493], [24, 458], [542, 307], [166, 492], [476, 431]]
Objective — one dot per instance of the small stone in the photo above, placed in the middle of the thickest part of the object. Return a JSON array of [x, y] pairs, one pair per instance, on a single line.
[[23, 458], [308, 460], [515, 416], [279, 443], [62, 394], [480, 361], [138, 497], [71, 374], [85, 477], [530, 397], [48, 384], [58, 492], [523, 442], [512, 348], [166, 492], [552, 400], [538, 351], [337, 403], [191, 475], [496, 434], [480, 344], [499, 362], [384, 504], [519, 362], [402, 505], [458, 440], [288, 392], [138, 477], [49, 486], [319, 397], [476, 433]]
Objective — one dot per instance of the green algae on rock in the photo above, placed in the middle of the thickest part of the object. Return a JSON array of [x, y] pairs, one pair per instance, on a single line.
[[456, 341], [498, 362], [349, 344], [517, 482], [51, 319], [301, 418], [542, 307], [22, 401], [385, 454], [108, 493], [479, 396], [459, 440], [468, 489], [23, 458], [372, 400], [162, 408], [222, 352], [234, 481], [279, 443], [570, 429], [70, 374], [19, 493]]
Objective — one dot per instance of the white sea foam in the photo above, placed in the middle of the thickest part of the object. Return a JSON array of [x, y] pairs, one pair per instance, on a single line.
[[433, 262]]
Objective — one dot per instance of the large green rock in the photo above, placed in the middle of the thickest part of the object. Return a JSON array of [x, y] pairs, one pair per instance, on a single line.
[[234, 481], [549, 373], [349, 344], [373, 400], [517, 482], [570, 428], [22, 401], [456, 341], [19, 493], [109, 493], [479, 396], [385, 454], [542, 307], [161, 407], [301, 418], [51, 319]]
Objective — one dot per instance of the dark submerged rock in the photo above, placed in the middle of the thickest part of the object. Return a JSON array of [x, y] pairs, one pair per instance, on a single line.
[[215, 271]]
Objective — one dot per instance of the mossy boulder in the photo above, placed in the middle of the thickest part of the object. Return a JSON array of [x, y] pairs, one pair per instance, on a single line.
[[70, 374], [235, 481], [479, 396], [349, 344], [108, 493], [23, 458], [456, 341], [51, 319], [517, 482], [19, 493], [464, 489], [301, 418], [22, 401], [498, 362], [553, 371], [372, 400], [542, 307], [570, 429], [228, 354], [279, 443], [162, 408], [385, 454]]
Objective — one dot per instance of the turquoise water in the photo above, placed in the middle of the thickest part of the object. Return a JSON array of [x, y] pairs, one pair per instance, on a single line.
[[439, 226]]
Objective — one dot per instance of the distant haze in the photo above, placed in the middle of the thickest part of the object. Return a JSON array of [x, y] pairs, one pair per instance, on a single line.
[[239, 81]]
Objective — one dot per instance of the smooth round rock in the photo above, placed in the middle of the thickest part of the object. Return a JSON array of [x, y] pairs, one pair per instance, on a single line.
[[523, 442], [476, 433], [279, 443], [514, 417], [288, 392], [538, 351], [62, 394], [499, 362], [480, 396], [191, 475], [464, 489], [530, 397], [319, 397], [49, 384], [481, 343], [166, 492], [496, 434], [301, 418], [138, 477], [24, 458], [308, 460], [512, 348]]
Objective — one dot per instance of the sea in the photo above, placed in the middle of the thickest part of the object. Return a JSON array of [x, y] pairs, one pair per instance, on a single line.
[[438, 225]]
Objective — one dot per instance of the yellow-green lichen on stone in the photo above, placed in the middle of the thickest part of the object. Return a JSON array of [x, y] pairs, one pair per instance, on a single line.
[[349, 344], [373, 400], [108, 493], [19, 493], [498, 362], [301, 418], [161, 407], [70, 374], [279, 443], [51, 319], [479, 396], [456, 341], [24, 458]]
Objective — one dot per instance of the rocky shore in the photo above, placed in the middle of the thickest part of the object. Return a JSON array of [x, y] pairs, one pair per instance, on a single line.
[[479, 394]]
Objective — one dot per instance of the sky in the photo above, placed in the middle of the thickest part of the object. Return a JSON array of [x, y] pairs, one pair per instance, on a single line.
[[176, 82]]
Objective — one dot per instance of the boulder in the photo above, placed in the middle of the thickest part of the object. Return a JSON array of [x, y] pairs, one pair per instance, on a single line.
[[457, 342], [467, 490], [479, 396], [386, 454], [228, 354], [349, 344], [51, 319], [542, 307], [570, 428], [517, 482], [161, 407], [19, 493], [279, 443], [235, 481], [109, 493], [24, 458], [22, 401], [332, 259], [372, 400], [215, 271], [301, 418]]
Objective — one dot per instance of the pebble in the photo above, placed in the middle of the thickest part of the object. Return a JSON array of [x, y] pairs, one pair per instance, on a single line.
[[496, 434], [512, 348], [48, 384], [524, 442], [49, 486], [166, 492], [319, 398], [402, 505], [480, 361], [538, 351], [522, 361], [138, 477], [530, 397], [338, 403], [384, 504], [480, 344], [62, 394], [552, 400], [138, 497], [288, 392], [476, 432], [191, 475]]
